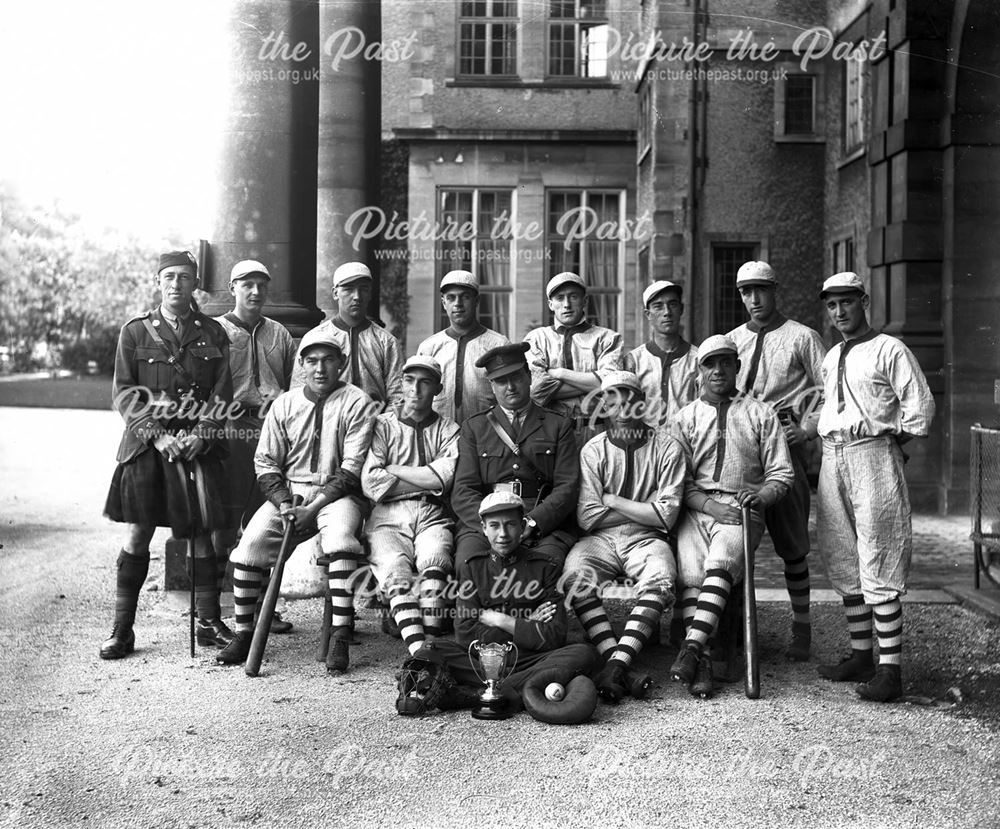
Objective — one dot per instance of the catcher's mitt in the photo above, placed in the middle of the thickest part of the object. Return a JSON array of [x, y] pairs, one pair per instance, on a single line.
[[424, 683]]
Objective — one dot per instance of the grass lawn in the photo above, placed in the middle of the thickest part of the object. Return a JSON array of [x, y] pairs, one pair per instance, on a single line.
[[83, 392]]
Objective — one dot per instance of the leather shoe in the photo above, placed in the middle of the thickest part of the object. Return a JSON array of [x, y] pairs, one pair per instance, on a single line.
[[237, 651], [703, 684], [685, 665], [885, 687], [611, 682], [338, 657], [638, 684], [120, 644], [213, 633], [279, 625]]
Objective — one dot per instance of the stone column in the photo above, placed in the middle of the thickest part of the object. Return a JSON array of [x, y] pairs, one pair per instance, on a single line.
[[349, 135], [267, 175]]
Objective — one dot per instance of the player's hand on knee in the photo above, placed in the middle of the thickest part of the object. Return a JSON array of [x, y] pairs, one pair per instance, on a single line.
[[543, 613], [723, 513]]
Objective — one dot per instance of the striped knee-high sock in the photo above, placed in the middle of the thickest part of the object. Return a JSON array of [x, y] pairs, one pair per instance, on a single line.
[[889, 627], [433, 601], [339, 577], [688, 605], [859, 623], [797, 582], [132, 571], [246, 588], [405, 610], [712, 601], [590, 611], [642, 621], [206, 594]]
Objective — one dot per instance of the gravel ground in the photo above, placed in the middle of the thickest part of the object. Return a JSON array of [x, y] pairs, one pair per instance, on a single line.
[[160, 739]]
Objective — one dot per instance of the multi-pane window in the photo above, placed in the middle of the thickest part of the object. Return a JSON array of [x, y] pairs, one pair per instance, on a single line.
[[854, 114], [800, 104], [727, 308], [474, 230], [578, 38], [843, 255], [583, 230], [487, 38]]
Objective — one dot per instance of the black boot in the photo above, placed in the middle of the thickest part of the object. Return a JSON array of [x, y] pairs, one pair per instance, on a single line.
[[338, 658], [237, 651], [120, 644], [131, 574], [213, 633]]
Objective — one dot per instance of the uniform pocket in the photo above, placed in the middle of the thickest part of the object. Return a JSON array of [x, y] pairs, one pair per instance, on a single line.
[[206, 363], [152, 369]]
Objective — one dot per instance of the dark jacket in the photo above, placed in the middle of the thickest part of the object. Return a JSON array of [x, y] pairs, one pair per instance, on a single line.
[[546, 437], [145, 372], [531, 579]]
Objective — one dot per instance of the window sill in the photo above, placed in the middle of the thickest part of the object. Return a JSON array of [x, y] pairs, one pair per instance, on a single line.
[[517, 83], [850, 159], [804, 138]]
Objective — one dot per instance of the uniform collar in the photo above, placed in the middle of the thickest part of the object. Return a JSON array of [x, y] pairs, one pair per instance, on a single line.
[[713, 404], [343, 326], [240, 323], [635, 443], [683, 347], [477, 330], [778, 321], [420, 424], [175, 321], [579, 328], [312, 397]]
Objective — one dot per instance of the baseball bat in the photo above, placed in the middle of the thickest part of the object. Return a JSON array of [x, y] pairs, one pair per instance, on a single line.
[[752, 678], [263, 628]]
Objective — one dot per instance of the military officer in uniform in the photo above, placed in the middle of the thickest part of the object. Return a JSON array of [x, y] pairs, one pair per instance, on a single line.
[[172, 387], [519, 447]]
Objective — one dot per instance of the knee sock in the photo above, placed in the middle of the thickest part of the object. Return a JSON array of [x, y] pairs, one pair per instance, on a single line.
[[889, 627], [688, 605], [206, 594], [433, 603], [859, 623], [590, 611], [642, 621], [339, 576], [797, 582], [246, 589], [405, 610], [711, 603], [132, 571]]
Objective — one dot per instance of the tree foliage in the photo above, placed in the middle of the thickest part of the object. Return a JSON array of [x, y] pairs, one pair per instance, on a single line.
[[63, 285]]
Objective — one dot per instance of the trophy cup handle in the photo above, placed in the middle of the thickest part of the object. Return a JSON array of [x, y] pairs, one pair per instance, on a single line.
[[510, 664], [472, 662]]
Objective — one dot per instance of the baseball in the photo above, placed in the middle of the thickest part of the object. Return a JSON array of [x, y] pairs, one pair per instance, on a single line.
[[554, 691]]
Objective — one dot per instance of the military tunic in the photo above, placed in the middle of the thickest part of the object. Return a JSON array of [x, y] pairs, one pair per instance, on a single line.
[[550, 496], [169, 382]]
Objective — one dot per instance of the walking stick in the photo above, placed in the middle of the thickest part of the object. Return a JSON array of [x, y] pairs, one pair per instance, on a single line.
[[751, 680], [263, 628], [187, 483]]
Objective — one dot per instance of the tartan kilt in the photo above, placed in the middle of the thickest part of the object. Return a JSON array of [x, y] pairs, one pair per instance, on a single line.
[[151, 491]]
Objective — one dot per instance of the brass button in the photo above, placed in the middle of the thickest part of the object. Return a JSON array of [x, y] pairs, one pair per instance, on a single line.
[[516, 466], [150, 360]]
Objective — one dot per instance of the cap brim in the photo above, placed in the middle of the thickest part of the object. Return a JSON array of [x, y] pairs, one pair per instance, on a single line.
[[503, 371], [563, 284], [703, 357], [239, 276], [350, 280], [330, 346], [841, 289], [446, 285], [763, 283]]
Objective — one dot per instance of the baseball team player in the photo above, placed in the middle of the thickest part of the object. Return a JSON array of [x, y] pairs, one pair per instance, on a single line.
[[172, 386], [465, 389], [570, 357], [737, 456], [518, 447], [781, 364], [373, 357], [876, 399], [508, 592], [667, 365], [313, 444], [261, 359], [631, 487], [407, 476]]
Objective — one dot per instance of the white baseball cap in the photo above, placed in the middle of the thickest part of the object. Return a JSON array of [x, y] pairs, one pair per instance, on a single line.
[[317, 336], [842, 283], [564, 278], [716, 344], [248, 267], [424, 362], [658, 288], [460, 279], [755, 273], [350, 272], [499, 502]]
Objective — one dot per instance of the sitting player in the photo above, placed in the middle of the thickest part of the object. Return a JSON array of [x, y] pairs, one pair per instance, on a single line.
[[410, 467], [507, 593], [631, 487], [313, 444], [738, 457]]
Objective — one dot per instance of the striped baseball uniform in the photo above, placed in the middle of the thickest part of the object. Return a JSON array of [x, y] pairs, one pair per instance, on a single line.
[[409, 527], [874, 392], [670, 379], [583, 347], [374, 359], [730, 446], [466, 389]]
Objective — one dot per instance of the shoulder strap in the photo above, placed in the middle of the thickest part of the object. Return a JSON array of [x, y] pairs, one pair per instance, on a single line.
[[171, 359], [507, 441]]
